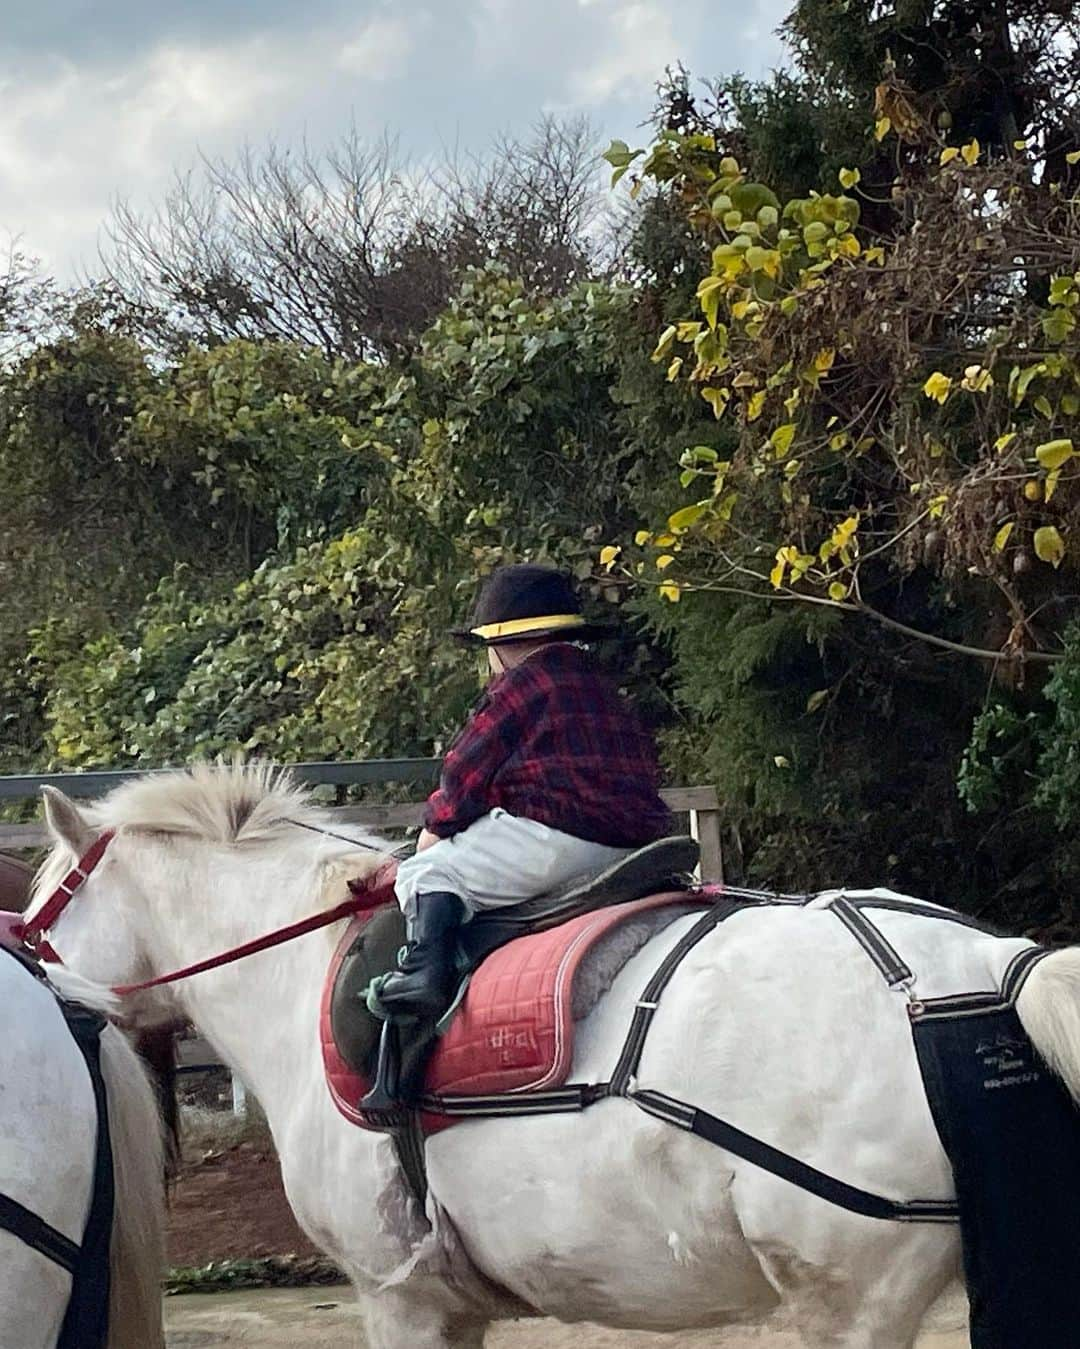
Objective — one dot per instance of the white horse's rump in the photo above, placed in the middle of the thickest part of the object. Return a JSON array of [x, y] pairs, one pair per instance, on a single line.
[[777, 1022], [48, 1131]]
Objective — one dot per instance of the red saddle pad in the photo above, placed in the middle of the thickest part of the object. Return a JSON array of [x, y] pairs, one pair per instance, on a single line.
[[514, 1031]]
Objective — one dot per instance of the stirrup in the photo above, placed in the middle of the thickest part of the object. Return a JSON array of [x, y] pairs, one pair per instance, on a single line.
[[384, 1094]]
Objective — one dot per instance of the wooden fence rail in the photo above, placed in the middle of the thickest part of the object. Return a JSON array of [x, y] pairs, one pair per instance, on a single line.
[[700, 804]]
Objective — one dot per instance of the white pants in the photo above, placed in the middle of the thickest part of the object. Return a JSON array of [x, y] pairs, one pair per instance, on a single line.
[[501, 859]]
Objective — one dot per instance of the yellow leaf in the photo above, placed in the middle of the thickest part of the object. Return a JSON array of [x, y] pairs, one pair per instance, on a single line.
[[838, 591], [755, 406], [848, 246], [849, 177], [1019, 145], [1053, 453], [882, 127], [977, 379], [970, 152], [823, 361], [781, 761], [664, 344], [717, 399], [708, 293], [1049, 546], [664, 561], [875, 254], [948, 154], [664, 540], [670, 591], [937, 506], [642, 537], [776, 576], [781, 439], [1003, 442], [1052, 480], [937, 387], [1073, 157], [674, 368], [817, 699], [1001, 538], [687, 517], [608, 556]]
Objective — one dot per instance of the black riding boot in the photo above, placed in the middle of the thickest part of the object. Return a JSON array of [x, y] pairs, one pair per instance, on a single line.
[[413, 998], [423, 983]]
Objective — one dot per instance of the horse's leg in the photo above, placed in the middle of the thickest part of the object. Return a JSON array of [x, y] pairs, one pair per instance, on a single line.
[[401, 1321], [877, 1298]]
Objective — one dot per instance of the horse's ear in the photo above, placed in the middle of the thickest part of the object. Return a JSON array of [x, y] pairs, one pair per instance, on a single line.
[[65, 822]]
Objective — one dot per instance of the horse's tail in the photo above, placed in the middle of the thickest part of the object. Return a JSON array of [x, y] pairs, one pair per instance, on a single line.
[[1049, 1009], [137, 1255], [137, 1251]]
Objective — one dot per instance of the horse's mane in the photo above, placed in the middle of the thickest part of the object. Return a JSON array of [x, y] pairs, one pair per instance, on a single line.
[[230, 803]]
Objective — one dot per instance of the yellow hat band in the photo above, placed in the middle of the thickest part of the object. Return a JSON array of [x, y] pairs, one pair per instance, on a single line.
[[521, 627]]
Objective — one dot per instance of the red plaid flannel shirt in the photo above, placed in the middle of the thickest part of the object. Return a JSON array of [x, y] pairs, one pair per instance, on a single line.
[[554, 741]]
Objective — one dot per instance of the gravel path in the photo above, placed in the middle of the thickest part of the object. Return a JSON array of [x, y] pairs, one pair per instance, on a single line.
[[323, 1317]]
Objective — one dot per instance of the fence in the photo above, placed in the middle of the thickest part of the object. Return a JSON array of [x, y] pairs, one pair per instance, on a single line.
[[698, 803]]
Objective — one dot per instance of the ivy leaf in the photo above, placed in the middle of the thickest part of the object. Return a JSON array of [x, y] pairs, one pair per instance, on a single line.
[[664, 561], [642, 537], [970, 152], [1073, 157], [1001, 538], [1049, 546], [663, 345], [838, 591], [1052, 480], [849, 177], [755, 406], [817, 699], [1053, 453], [781, 439], [709, 292], [948, 154], [1004, 441], [670, 591], [608, 556], [937, 387], [717, 399], [687, 517], [882, 127]]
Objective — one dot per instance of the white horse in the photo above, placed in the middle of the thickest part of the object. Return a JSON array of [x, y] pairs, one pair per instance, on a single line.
[[48, 1133], [776, 1022]]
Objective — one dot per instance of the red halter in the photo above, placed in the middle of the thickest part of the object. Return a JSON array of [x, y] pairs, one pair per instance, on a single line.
[[376, 890], [32, 934]]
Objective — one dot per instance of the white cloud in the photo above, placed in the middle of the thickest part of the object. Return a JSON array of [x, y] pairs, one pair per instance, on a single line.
[[639, 41], [77, 133], [381, 48]]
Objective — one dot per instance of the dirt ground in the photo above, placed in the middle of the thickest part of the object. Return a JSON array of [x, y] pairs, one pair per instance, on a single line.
[[229, 1205], [306, 1318]]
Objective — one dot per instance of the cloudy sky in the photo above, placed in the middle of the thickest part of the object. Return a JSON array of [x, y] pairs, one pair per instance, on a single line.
[[107, 98]]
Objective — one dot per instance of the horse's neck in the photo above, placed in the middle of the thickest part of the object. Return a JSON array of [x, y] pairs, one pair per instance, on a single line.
[[260, 1013]]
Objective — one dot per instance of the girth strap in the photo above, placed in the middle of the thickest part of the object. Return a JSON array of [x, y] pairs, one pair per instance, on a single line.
[[789, 1168], [36, 1233]]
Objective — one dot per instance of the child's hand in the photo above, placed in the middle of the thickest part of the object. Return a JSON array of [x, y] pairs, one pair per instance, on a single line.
[[426, 839]]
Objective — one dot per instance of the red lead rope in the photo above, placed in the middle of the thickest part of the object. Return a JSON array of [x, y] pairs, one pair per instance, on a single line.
[[358, 904], [372, 893]]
